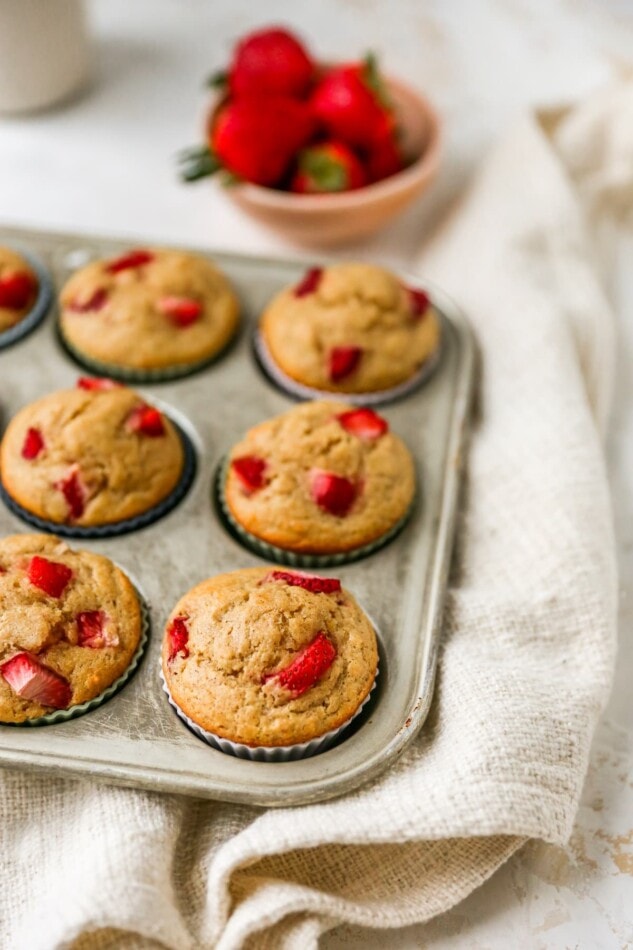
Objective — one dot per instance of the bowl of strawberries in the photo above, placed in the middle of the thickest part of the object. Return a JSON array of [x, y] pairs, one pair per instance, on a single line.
[[323, 153]]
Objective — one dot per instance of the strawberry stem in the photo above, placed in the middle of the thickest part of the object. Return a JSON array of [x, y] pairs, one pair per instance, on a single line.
[[197, 162], [217, 80], [375, 81]]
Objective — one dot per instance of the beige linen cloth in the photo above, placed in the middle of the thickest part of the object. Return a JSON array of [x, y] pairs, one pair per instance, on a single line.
[[528, 641]]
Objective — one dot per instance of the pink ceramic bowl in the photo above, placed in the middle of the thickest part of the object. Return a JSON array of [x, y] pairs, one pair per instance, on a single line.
[[329, 219]]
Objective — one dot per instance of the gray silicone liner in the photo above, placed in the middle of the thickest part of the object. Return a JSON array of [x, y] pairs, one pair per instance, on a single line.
[[137, 740], [42, 303]]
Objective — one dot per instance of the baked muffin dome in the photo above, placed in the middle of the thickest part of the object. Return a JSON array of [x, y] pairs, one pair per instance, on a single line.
[[18, 288], [148, 310], [90, 456], [320, 479], [265, 657], [350, 328], [70, 623]]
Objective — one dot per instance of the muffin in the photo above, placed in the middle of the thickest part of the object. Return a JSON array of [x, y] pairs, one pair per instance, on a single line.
[[94, 455], [349, 328], [319, 479], [70, 626], [268, 658], [18, 288], [148, 311]]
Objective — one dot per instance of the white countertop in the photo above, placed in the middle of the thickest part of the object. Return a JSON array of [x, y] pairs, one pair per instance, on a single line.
[[105, 163]]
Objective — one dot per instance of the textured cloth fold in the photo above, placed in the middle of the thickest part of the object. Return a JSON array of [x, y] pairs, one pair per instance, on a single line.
[[528, 638]]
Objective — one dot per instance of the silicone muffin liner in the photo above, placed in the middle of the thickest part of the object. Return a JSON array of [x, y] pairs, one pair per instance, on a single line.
[[271, 552], [39, 309], [299, 391], [127, 375], [264, 753], [73, 712], [127, 525]]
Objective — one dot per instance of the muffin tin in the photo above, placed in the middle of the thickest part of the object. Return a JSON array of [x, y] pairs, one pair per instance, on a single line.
[[136, 739]]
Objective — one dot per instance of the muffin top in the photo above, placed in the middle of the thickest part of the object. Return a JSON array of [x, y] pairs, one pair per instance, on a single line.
[[18, 288], [90, 456], [321, 478], [70, 622], [149, 309], [353, 328], [269, 657]]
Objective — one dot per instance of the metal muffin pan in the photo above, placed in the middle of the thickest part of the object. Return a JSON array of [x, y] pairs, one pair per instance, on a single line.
[[136, 739]]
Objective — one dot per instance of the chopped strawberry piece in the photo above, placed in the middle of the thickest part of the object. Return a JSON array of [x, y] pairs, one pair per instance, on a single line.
[[74, 491], [146, 420], [98, 383], [333, 493], [418, 301], [308, 666], [364, 423], [136, 258], [96, 301], [49, 576], [33, 444], [178, 638], [342, 361], [32, 680], [91, 630], [309, 283], [182, 311], [16, 289], [311, 582], [251, 472]]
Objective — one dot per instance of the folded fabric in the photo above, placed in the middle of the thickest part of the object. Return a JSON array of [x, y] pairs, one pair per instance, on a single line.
[[528, 640]]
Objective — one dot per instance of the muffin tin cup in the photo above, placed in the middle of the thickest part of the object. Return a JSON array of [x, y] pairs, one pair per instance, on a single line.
[[125, 374], [271, 552], [263, 753], [300, 391], [127, 525], [80, 709], [40, 308]]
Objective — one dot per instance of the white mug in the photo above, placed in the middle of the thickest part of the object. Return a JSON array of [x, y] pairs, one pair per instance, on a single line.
[[44, 55]]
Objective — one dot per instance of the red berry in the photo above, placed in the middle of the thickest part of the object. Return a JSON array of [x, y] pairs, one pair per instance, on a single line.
[[183, 311], [327, 167], [308, 666], [342, 361], [270, 62], [91, 630], [257, 139], [311, 582], [365, 423], [250, 470], [147, 421], [332, 493], [16, 290], [96, 301], [309, 283], [418, 301], [132, 259], [97, 383], [33, 444], [32, 680], [178, 638], [347, 102], [49, 576], [74, 491], [384, 158]]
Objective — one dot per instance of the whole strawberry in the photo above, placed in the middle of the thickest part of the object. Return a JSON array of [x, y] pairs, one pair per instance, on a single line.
[[350, 103], [328, 166], [252, 139], [384, 158], [270, 62]]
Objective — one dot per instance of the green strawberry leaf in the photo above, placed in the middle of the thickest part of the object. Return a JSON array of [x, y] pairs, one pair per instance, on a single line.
[[327, 173], [217, 80], [197, 162], [373, 78]]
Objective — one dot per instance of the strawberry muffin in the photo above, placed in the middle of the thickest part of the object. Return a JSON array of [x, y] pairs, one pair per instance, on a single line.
[[349, 328], [264, 658], [91, 456], [321, 479], [19, 288], [70, 626], [149, 313]]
